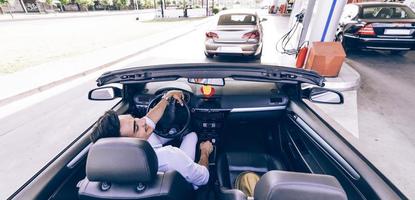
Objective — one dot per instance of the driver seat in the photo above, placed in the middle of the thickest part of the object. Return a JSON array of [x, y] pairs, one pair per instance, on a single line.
[[126, 168]]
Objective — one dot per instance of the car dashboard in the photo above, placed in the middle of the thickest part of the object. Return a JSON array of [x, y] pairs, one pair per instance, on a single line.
[[235, 102]]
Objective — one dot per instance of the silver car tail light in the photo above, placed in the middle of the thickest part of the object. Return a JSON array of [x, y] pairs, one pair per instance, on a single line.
[[251, 35], [212, 35]]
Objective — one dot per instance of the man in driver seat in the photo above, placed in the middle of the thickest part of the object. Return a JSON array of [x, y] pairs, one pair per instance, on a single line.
[[169, 158]]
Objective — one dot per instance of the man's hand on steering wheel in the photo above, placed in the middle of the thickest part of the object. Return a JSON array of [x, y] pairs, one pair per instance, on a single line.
[[164, 114], [176, 94]]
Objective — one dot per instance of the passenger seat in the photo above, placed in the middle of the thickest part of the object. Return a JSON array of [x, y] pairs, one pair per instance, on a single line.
[[231, 164]]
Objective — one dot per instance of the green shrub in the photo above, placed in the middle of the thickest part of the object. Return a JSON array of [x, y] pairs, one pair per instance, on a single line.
[[2, 2], [64, 2], [107, 2], [215, 10], [122, 3], [84, 3]]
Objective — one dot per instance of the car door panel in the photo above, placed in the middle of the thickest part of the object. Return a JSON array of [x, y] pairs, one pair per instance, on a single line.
[[316, 158], [314, 146]]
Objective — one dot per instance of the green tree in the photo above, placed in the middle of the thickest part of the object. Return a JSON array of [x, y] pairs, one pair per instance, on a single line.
[[146, 4], [64, 2], [215, 10], [84, 3], [122, 3], [8, 3], [107, 2]]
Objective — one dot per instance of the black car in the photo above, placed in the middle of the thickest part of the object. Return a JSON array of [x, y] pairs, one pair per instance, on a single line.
[[378, 26], [259, 118]]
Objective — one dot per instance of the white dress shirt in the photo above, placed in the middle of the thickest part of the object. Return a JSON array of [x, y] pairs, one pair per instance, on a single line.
[[179, 159]]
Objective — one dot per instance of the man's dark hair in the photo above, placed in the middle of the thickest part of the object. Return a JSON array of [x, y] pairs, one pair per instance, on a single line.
[[108, 125]]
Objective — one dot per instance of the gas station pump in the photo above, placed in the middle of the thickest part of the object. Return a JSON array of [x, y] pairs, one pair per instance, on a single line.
[[319, 23]]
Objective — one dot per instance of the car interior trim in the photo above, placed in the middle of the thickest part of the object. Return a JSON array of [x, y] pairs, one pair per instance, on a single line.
[[389, 39], [246, 168], [388, 48], [256, 109], [337, 157], [78, 158], [208, 110], [392, 36]]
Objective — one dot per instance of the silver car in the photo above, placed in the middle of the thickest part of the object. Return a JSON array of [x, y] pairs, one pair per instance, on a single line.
[[236, 33]]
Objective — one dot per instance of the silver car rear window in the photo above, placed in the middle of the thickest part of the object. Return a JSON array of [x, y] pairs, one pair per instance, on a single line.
[[237, 19]]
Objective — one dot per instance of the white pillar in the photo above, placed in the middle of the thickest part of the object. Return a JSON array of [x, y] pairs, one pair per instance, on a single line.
[[325, 19]]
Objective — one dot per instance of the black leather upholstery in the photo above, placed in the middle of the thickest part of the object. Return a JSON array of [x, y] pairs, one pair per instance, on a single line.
[[283, 185], [169, 185], [231, 194], [126, 168], [121, 160], [230, 165]]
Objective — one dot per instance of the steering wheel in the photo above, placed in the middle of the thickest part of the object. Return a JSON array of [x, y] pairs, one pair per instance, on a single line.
[[175, 120]]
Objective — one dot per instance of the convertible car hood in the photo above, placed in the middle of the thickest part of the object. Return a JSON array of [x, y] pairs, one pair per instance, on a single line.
[[248, 72]]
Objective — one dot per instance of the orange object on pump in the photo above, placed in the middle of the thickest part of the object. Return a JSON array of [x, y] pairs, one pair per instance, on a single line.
[[283, 8], [302, 54]]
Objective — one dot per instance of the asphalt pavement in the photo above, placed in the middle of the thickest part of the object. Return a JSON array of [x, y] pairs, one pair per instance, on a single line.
[[386, 113]]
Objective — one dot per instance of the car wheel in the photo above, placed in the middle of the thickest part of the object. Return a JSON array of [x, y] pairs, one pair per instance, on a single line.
[[340, 38], [258, 57], [397, 52], [209, 55]]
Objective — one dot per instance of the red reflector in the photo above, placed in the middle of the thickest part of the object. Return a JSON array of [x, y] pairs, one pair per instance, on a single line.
[[251, 35], [211, 35], [367, 30], [207, 90]]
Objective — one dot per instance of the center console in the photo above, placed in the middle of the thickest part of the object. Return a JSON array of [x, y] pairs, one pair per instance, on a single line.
[[207, 120]]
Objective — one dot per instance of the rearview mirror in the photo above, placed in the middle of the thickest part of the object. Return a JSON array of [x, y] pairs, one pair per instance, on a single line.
[[323, 95], [104, 93], [207, 81]]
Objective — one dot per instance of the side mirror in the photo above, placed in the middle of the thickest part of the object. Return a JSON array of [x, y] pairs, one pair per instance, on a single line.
[[263, 20], [104, 93], [323, 95]]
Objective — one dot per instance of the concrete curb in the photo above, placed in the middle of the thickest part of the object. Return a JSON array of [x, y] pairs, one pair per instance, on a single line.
[[74, 76], [348, 79]]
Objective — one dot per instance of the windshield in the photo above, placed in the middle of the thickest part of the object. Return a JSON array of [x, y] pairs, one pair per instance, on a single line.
[[387, 12]]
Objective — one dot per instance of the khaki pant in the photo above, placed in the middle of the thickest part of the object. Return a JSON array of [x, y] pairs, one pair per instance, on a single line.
[[246, 182]]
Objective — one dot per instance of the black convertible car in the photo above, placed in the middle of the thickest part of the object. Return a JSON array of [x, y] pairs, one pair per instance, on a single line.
[[377, 26], [259, 119]]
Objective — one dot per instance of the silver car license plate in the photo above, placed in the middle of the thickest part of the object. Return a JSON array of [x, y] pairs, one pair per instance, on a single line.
[[231, 49], [397, 32]]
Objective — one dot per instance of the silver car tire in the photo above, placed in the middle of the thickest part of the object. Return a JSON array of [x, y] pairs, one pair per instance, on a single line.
[[209, 55], [258, 57]]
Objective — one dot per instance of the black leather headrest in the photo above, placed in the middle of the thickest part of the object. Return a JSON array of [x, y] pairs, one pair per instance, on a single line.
[[121, 160], [278, 185]]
